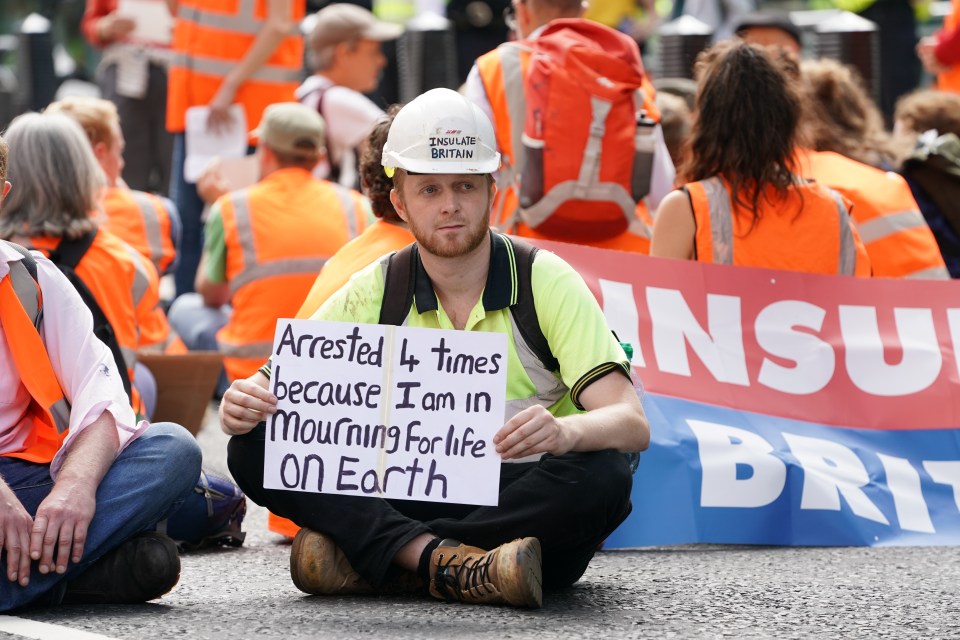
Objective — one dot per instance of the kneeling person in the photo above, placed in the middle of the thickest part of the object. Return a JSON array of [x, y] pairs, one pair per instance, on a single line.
[[566, 481]]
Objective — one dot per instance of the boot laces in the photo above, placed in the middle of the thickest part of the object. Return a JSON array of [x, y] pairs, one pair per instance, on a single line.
[[455, 581]]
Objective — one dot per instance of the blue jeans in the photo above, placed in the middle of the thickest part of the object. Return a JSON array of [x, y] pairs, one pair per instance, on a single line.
[[197, 325], [190, 206], [148, 480]]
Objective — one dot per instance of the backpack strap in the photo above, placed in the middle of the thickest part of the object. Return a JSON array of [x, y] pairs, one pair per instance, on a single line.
[[398, 288], [67, 256], [398, 285], [33, 304], [524, 311]]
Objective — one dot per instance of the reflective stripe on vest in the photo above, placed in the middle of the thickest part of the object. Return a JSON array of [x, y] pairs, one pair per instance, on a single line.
[[151, 224], [721, 226], [252, 268], [220, 68], [894, 232], [138, 289], [27, 290], [244, 21], [502, 74], [50, 410], [888, 225]]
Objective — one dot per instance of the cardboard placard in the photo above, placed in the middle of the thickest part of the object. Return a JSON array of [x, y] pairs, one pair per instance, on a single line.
[[382, 411]]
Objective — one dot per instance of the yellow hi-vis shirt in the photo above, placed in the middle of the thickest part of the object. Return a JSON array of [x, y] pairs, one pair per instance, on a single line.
[[569, 316]]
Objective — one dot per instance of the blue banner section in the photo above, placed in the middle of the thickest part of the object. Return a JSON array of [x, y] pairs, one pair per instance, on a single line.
[[719, 475]]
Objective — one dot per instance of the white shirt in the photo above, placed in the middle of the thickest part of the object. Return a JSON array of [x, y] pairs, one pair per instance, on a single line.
[[349, 115], [664, 173], [83, 364]]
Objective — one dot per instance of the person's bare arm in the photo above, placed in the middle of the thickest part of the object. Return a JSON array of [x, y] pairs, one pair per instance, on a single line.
[[674, 229], [614, 420], [276, 27], [214, 294]]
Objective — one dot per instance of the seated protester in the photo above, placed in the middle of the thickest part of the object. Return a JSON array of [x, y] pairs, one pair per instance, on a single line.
[[387, 234], [148, 223], [927, 123], [742, 203], [264, 245], [555, 507], [58, 181], [843, 124], [82, 483], [344, 55]]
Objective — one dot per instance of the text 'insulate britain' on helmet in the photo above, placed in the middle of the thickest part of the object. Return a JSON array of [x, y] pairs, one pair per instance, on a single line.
[[441, 131]]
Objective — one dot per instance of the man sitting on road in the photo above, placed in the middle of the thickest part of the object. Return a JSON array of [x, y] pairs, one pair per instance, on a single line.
[[80, 481], [566, 481]]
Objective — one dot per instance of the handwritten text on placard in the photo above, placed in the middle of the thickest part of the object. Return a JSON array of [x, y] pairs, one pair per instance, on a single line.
[[393, 412]]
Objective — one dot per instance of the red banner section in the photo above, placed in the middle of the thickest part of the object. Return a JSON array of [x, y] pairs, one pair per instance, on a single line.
[[867, 353]]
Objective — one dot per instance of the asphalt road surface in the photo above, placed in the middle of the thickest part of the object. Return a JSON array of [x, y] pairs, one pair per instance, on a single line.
[[696, 591]]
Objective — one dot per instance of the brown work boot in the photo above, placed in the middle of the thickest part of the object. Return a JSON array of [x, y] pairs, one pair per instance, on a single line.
[[509, 574], [318, 566]]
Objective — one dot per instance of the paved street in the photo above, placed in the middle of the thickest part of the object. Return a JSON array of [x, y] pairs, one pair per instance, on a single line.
[[696, 591]]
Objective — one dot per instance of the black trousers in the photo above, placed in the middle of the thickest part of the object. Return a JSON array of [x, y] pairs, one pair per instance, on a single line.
[[570, 502]]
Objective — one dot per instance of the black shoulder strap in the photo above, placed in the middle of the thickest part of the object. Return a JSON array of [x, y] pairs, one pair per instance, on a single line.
[[70, 252], [398, 286], [67, 256], [398, 290], [524, 311]]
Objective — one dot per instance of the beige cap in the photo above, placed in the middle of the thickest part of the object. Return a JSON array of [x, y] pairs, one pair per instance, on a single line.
[[291, 127], [342, 22]]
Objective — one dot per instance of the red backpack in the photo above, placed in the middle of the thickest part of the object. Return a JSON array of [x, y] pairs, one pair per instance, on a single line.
[[587, 140]]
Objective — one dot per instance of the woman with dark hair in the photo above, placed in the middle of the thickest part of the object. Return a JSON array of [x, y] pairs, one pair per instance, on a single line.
[[742, 203]]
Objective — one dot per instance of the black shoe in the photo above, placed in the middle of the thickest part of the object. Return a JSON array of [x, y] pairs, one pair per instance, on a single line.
[[141, 569]]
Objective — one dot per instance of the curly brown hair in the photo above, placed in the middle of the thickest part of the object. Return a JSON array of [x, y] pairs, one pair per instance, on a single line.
[[746, 122], [373, 180]]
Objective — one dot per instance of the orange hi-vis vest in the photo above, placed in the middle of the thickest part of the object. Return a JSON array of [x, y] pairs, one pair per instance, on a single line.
[[949, 80], [21, 304], [210, 37], [808, 231], [143, 221], [278, 234], [379, 239], [503, 72], [888, 220], [123, 283]]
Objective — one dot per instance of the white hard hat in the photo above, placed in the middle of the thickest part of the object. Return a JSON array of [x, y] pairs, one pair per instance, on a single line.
[[441, 131]]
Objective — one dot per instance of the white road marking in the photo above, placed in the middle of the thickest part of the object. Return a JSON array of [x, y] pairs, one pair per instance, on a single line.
[[44, 631]]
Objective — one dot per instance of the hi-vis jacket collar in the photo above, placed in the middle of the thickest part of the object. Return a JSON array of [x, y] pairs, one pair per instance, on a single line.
[[500, 291]]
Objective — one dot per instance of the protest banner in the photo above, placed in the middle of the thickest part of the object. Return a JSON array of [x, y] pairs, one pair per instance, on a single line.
[[786, 408], [393, 412]]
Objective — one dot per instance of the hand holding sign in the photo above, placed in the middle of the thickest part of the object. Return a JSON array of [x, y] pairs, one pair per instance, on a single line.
[[393, 412]]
